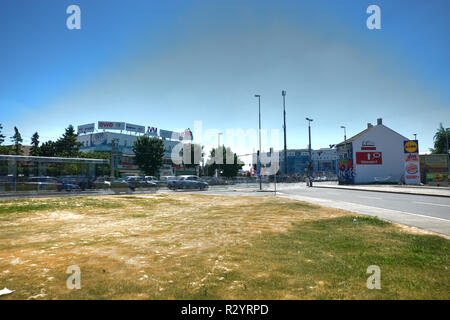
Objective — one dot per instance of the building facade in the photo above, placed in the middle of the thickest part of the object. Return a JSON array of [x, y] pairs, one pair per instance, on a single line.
[[375, 155], [122, 145], [324, 161]]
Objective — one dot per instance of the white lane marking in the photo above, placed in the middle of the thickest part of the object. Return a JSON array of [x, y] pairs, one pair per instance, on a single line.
[[433, 204], [364, 197], [327, 202]]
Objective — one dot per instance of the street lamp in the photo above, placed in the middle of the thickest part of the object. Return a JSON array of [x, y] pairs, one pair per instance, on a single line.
[[283, 93], [415, 136], [259, 151], [310, 156]]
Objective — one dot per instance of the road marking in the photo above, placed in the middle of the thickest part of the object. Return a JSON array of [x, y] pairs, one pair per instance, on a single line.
[[325, 202], [433, 204], [364, 197]]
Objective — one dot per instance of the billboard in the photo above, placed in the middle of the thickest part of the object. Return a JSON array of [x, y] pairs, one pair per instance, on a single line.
[[169, 134], [111, 125], [152, 131], [85, 128], [369, 158], [412, 163], [134, 128]]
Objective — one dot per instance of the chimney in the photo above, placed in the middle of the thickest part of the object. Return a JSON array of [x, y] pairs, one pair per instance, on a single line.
[[379, 121], [369, 125]]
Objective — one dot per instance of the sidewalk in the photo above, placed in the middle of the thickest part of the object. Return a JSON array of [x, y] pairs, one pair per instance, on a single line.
[[416, 190]]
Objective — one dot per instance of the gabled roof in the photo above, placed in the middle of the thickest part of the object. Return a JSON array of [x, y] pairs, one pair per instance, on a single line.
[[365, 131], [355, 136]]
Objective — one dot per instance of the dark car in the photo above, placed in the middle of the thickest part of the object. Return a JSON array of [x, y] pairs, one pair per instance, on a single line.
[[41, 183], [187, 182]]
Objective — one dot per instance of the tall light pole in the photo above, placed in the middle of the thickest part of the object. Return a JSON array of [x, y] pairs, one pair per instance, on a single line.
[[259, 151], [283, 93], [446, 145], [218, 141], [310, 155], [415, 136]]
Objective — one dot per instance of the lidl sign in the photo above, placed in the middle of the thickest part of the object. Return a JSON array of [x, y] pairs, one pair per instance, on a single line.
[[411, 146]]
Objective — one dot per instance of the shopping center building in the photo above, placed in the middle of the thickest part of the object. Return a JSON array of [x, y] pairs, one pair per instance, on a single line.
[[119, 138]]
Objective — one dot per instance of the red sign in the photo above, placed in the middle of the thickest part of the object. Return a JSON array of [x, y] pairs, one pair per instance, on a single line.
[[368, 158]]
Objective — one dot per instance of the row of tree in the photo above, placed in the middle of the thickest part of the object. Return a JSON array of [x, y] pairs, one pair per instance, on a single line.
[[66, 146], [149, 153]]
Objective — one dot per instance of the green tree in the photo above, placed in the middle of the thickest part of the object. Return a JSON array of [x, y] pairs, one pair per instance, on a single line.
[[17, 140], [34, 151], [226, 169], [48, 149], [67, 145], [3, 149], [149, 153], [440, 140], [2, 136]]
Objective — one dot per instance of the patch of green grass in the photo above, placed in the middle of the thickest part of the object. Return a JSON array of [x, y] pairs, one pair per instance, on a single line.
[[338, 252]]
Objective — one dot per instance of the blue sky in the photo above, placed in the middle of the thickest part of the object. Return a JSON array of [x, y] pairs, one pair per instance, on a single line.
[[169, 63]]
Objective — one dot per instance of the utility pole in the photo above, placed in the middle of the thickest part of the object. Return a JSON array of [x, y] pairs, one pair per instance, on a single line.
[[259, 151], [283, 93], [310, 155], [112, 158]]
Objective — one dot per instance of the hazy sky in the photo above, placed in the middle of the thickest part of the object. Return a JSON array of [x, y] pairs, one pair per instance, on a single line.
[[169, 63]]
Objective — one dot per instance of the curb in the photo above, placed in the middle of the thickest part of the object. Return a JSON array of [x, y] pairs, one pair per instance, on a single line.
[[385, 191]]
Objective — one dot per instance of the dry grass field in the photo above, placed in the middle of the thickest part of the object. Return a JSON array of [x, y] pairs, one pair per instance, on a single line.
[[192, 246]]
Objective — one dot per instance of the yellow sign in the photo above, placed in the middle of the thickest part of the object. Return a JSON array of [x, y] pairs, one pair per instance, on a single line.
[[411, 146]]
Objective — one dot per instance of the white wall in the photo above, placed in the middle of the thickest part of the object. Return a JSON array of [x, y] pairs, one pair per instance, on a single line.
[[390, 144]]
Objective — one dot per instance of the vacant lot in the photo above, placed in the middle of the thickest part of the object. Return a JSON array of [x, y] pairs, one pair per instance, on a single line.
[[189, 246]]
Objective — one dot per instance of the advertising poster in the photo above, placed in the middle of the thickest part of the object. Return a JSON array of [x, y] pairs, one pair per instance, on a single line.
[[412, 163], [85, 128], [111, 125]]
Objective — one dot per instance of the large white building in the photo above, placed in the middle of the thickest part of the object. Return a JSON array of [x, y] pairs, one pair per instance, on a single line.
[[374, 155], [123, 142]]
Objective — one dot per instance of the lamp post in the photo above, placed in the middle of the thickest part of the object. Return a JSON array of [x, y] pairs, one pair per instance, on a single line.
[[218, 140], [446, 148], [415, 136], [310, 156], [259, 151], [283, 93]]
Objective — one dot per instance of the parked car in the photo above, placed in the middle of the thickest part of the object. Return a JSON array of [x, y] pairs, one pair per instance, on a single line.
[[72, 184], [140, 182], [152, 179], [187, 182], [40, 183]]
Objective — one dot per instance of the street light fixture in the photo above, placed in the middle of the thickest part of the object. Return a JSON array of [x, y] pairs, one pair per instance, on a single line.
[[415, 136], [259, 151], [310, 156], [345, 134]]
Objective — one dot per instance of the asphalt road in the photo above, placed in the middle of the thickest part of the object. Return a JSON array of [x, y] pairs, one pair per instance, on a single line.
[[438, 207]]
